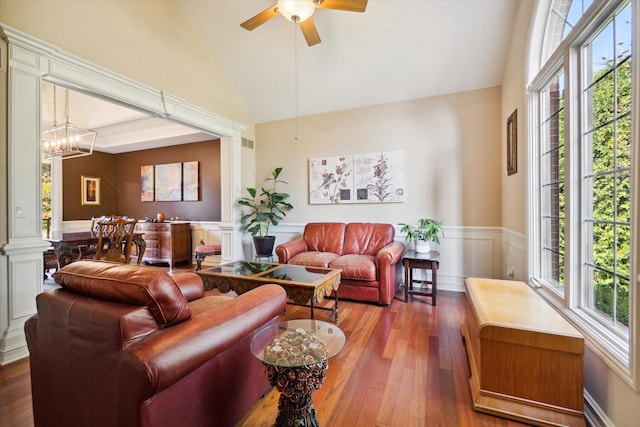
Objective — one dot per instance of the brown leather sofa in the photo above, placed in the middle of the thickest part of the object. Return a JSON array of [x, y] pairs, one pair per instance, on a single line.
[[365, 252], [127, 345]]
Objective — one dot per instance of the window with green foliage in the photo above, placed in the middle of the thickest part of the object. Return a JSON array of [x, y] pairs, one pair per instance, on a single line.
[[45, 168], [583, 169], [606, 177]]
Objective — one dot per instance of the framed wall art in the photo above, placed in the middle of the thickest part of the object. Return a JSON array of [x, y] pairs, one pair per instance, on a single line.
[[190, 181], [168, 180], [512, 143], [90, 191], [147, 183], [361, 178]]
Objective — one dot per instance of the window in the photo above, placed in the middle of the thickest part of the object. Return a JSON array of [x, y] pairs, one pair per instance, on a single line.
[[606, 177], [552, 182], [583, 172]]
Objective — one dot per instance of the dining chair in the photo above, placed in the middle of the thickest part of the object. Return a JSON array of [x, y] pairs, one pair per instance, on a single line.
[[115, 237], [90, 251]]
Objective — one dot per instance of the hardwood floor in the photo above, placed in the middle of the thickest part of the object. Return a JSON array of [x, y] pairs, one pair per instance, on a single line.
[[402, 365]]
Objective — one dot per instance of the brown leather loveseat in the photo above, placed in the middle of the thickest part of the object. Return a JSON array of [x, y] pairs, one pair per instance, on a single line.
[[365, 252], [127, 345]]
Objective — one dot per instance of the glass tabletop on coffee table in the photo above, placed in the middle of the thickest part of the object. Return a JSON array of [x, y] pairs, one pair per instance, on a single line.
[[305, 286], [295, 354]]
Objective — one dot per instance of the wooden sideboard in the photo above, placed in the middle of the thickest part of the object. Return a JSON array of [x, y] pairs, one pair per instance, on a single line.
[[526, 360], [166, 242]]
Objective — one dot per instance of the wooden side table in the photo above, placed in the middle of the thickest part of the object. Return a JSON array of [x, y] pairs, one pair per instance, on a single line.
[[425, 261]]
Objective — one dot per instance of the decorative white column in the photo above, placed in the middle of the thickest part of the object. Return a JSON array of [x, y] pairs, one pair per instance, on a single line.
[[29, 62], [22, 254]]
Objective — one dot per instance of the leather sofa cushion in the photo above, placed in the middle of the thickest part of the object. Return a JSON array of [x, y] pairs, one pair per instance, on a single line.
[[325, 236], [131, 284], [367, 238], [356, 267], [207, 303], [313, 259]]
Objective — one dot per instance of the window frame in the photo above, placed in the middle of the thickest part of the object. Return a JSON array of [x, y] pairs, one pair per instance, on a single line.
[[620, 354]]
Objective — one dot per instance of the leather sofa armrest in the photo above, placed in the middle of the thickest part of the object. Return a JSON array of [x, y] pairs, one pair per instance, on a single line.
[[391, 253], [172, 353], [386, 259], [286, 251], [190, 285]]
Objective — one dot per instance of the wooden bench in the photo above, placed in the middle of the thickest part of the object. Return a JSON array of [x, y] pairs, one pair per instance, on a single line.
[[526, 360]]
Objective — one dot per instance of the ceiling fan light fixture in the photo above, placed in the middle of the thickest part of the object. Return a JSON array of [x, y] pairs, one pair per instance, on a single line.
[[296, 10]]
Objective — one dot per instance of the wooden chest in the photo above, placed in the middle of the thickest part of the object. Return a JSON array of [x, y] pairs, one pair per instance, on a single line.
[[526, 360]]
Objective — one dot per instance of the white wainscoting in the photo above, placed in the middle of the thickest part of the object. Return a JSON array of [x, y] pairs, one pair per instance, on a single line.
[[464, 252], [491, 252]]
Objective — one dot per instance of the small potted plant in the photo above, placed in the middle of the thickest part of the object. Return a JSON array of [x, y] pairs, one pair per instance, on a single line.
[[427, 231], [265, 210]]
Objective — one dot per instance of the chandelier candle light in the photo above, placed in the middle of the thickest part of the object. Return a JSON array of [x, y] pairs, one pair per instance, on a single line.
[[66, 141]]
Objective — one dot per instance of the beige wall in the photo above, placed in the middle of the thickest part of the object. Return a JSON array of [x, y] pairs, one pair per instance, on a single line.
[[451, 146], [513, 97], [143, 40]]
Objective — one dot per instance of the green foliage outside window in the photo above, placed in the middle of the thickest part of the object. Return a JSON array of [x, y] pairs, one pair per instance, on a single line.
[[611, 190], [46, 192]]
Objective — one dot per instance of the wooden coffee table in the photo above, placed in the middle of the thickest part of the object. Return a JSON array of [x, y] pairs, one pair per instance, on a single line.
[[306, 286]]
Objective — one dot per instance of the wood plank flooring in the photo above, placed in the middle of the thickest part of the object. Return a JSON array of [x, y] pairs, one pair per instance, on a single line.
[[402, 365]]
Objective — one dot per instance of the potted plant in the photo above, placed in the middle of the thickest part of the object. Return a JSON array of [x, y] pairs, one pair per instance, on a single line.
[[427, 231], [265, 210]]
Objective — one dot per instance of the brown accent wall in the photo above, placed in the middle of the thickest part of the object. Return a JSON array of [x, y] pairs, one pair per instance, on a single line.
[[120, 183], [98, 165]]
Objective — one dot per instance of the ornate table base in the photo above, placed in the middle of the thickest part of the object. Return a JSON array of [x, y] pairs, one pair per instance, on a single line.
[[295, 407]]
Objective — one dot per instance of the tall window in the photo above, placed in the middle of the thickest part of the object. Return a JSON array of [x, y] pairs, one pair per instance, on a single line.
[[583, 171], [552, 182], [606, 178]]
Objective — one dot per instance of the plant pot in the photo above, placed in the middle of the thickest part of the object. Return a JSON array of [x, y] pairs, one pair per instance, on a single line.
[[264, 245], [423, 247]]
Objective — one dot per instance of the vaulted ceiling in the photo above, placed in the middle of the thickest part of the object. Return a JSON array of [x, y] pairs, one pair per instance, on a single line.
[[396, 50]]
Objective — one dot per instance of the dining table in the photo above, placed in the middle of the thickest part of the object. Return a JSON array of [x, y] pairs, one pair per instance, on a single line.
[[69, 245]]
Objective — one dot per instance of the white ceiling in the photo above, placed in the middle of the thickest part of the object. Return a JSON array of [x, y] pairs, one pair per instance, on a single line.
[[396, 50], [119, 129]]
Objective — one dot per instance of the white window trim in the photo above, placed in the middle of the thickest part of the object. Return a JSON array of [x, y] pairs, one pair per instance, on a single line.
[[622, 357]]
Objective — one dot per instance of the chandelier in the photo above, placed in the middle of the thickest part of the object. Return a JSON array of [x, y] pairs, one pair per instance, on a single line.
[[68, 140]]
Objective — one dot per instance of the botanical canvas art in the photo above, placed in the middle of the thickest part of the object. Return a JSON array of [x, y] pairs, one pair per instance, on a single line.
[[361, 178]]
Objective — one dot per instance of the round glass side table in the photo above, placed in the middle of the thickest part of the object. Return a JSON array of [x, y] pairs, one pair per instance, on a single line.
[[295, 355]]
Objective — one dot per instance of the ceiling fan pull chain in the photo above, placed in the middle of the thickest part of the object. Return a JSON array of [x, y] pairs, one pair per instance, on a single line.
[[295, 81]]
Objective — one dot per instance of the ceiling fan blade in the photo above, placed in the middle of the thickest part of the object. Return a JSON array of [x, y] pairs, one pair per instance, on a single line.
[[350, 5], [261, 18], [310, 32]]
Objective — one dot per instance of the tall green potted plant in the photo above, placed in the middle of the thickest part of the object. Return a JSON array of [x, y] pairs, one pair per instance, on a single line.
[[265, 210], [427, 231]]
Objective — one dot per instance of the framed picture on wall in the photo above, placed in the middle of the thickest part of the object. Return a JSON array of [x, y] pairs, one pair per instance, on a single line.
[[147, 183], [168, 182], [512, 143], [90, 191], [190, 181]]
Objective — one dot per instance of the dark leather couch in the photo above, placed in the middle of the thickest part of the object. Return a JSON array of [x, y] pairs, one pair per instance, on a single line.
[[365, 252], [126, 345]]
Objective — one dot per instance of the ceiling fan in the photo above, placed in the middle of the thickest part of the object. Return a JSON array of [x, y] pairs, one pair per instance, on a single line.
[[300, 11]]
